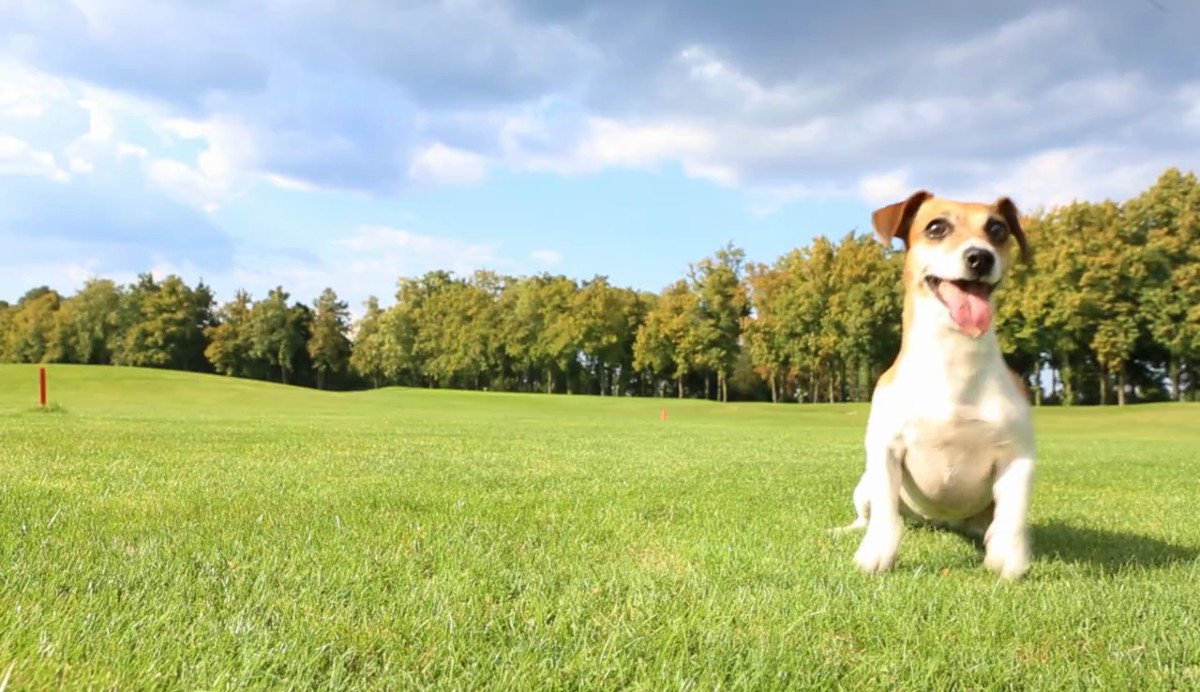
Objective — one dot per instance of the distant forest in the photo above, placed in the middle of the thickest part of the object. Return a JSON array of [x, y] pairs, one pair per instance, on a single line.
[[1108, 311]]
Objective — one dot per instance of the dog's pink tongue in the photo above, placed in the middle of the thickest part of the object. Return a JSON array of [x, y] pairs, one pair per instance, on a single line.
[[969, 306]]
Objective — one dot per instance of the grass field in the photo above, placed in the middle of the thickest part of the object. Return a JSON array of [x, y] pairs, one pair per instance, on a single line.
[[173, 530]]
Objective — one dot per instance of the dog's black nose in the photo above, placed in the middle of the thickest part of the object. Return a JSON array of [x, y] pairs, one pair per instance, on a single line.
[[979, 261]]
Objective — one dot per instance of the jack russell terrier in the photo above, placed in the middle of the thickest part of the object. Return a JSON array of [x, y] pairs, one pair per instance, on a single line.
[[949, 440]]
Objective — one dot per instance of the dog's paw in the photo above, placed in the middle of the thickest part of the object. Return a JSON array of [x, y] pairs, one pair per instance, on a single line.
[[877, 552], [1008, 555]]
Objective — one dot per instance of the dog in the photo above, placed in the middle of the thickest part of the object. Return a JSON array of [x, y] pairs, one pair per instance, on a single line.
[[949, 439]]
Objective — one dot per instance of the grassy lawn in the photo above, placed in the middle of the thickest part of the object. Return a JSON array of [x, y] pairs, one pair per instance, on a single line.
[[173, 530]]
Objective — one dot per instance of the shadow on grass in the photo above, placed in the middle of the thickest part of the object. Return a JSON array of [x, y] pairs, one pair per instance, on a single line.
[[1109, 551]]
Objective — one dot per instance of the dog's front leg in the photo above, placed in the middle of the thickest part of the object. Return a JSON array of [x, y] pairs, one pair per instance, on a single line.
[[1007, 538], [877, 552]]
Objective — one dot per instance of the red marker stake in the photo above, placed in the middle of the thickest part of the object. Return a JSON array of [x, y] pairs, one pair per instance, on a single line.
[[42, 386]]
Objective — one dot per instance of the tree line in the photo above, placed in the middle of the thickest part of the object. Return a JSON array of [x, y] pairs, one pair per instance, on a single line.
[[1107, 311]]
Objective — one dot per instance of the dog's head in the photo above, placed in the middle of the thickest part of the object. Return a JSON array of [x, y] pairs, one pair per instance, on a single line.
[[957, 252]]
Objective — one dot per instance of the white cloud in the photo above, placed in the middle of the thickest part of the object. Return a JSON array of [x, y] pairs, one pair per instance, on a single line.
[[727, 87], [284, 182], [547, 257], [397, 251], [27, 93], [1061, 176], [443, 165], [768, 199], [186, 184], [885, 188], [1188, 96], [225, 163], [614, 143], [1036, 29], [125, 149], [18, 157], [532, 142]]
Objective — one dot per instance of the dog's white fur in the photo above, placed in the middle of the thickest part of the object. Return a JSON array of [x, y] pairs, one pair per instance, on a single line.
[[949, 439]]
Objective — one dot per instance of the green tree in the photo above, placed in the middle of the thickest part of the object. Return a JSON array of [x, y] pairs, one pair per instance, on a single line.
[[673, 336], [367, 357], [723, 303], [231, 340], [557, 344], [1167, 215], [864, 306], [764, 330], [168, 331], [278, 333], [329, 346], [1112, 282], [31, 332], [91, 330], [605, 322]]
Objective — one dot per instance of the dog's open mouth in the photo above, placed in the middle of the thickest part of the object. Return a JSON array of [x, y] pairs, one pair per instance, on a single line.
[[969, 302]]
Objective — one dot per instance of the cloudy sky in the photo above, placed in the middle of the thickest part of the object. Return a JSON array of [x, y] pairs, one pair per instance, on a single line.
[[348, 142]]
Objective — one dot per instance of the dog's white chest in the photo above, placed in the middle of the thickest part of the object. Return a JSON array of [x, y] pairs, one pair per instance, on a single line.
[[949, 463]]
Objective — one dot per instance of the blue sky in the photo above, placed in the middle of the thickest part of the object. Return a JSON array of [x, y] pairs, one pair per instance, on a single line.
[[315, 143]]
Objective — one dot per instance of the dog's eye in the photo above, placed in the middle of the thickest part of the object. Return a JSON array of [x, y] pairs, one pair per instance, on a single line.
[[997, 231], [937, 229]]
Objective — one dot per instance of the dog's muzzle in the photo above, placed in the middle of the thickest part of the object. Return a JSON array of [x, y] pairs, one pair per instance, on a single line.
[[979, 262]]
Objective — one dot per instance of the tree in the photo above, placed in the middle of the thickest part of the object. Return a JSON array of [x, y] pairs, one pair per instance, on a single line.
[[1111, 283], [1024, 300], [168, 325], [672, 338], [812, 331], [231, 340], [717, 283], [557, 344], [763, 330], [1167, 215], [329, 346], [864, 307], [367, 356], [91, 330], [278, 332], [605, 319], [30, 334]]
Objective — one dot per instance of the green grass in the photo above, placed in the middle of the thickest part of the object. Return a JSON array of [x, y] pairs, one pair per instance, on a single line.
[[173, 530]]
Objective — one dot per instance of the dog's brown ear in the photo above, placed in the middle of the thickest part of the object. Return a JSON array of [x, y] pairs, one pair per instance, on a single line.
[[893, 220], [1005, 207]]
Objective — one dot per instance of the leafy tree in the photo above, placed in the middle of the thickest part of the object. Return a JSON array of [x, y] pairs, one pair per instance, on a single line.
[[557, 344], [1167, 215], [1112, 281], [864, 311], [764, 331], [31, 330], [278, 333], [231, 339], [672, 338], [169, 327], [717, 282], [91, 324], [329, 346], [605, 319], [367, 357]]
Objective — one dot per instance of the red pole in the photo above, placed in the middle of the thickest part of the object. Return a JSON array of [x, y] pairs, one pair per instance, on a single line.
[[42, 386]]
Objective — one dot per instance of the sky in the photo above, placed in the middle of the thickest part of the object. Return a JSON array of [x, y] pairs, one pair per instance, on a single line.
[[347, 143]]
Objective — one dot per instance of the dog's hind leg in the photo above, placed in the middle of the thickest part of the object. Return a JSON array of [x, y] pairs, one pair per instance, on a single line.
[[862, 507]]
